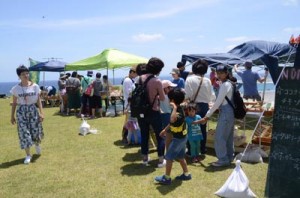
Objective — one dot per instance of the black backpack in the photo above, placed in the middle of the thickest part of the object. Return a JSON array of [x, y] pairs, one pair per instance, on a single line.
[[140, 104], [238, 104]]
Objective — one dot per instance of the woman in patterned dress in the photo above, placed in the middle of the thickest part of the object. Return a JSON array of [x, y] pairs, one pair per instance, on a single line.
[[29, 113]]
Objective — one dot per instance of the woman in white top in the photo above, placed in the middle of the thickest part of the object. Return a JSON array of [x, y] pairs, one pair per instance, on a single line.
[[223, 144], [204, 95], [26, 95]]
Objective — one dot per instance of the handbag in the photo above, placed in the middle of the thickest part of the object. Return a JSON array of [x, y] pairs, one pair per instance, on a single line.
[[90, 90]]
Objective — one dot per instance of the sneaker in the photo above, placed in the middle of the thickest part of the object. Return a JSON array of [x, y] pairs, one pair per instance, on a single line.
[[162, 164], [38, 149], [184, 177], [195, 160], [146, 162], [27, 159], [219, 164], [163, 180]]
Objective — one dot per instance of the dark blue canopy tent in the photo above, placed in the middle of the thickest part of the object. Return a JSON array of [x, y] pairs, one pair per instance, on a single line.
[[266, 53], [49, 66]]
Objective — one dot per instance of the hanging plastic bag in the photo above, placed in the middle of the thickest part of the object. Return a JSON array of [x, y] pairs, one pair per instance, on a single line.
[[237, 185]]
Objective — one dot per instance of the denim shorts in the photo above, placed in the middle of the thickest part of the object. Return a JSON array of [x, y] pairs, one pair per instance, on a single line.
[[176, 149]]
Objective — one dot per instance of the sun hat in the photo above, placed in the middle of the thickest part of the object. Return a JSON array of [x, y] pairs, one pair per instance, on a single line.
[[175, 71], [167, 83]]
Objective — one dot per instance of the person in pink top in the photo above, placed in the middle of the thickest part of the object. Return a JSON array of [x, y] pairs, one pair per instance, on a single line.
[[214, 80], [153, 118]]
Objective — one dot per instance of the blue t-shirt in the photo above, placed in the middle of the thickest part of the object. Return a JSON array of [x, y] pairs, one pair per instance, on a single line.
[[184, 74], [249, 79], [194, 130], [179, 82]]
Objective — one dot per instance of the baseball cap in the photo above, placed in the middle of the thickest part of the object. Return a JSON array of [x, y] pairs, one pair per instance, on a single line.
[[89, 73], [167, 83], [222, 68], [248, 63]]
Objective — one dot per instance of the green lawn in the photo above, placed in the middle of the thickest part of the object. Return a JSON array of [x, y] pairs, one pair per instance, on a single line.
[[99, 165]]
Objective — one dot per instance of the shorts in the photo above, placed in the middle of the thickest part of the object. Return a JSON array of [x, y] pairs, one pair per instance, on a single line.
[[176, 149]]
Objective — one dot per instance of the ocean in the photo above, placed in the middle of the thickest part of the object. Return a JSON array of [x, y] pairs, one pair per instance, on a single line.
[[5, 87]]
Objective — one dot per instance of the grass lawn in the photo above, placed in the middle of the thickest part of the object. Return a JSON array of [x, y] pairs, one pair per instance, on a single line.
[[99, 165]]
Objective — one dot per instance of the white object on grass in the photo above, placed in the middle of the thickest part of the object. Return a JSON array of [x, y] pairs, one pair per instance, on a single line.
[[237, 184]]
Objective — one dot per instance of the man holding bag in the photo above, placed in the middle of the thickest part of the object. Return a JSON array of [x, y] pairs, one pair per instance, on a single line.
[[85, 82]]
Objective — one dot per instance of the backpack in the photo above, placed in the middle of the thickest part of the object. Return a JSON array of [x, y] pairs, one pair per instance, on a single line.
[[238, 105], [139, 102]]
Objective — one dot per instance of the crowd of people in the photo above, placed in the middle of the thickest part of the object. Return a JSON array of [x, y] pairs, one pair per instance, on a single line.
[[178, 115]]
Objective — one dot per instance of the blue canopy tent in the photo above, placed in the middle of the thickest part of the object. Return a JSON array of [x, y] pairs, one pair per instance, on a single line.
[[266, 53], [49, 66]]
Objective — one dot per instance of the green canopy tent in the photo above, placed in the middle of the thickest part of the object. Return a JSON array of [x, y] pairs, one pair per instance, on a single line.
[[107, 59]]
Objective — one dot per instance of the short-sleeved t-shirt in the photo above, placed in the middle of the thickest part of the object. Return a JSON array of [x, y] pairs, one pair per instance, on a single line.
[[249, 79], [178, 128], [26, 95], [179, 82], [194, 130]]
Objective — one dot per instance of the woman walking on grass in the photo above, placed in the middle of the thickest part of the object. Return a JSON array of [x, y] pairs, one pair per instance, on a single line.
[[29, 112]]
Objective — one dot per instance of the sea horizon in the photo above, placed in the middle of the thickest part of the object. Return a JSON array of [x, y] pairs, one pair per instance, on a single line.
[[5, 87]]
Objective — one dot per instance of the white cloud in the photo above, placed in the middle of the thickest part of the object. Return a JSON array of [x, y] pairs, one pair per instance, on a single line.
[[290, 2], [166, 10], [292, 30], [147, 37], [237, 39]]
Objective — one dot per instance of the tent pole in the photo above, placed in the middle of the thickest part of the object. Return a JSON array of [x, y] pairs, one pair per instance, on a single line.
[[264, 90], [113, 76], [43, 78]]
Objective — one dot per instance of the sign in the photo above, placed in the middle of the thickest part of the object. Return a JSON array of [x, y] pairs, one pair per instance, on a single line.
[[283, 178]]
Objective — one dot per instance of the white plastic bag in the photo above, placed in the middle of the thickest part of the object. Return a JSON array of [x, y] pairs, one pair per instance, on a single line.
[[84, 128], [253, 154], [237, 184]]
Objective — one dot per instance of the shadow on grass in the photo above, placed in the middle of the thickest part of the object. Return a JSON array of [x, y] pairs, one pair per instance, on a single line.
[[165, 189], [119, 143], [132, 157], [215, 169], [136, 169], [17, 162]]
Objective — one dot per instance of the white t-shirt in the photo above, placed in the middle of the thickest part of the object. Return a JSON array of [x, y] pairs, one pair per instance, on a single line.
[[128, 86], [191, 86], [26, 95], [226, 89]]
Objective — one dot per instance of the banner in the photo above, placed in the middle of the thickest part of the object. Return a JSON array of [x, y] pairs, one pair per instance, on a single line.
[[34, 76]]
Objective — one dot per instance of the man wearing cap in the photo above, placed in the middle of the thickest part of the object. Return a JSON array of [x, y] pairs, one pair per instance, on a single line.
[[183, 74], [225, 126], [85, 81], [250, 79], [176, 78]]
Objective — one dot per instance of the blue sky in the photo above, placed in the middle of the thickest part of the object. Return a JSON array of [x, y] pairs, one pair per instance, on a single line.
[[76, 29]]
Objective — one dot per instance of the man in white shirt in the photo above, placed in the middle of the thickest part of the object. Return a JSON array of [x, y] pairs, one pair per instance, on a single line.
[[128, 85]]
